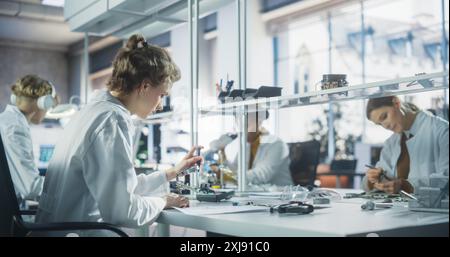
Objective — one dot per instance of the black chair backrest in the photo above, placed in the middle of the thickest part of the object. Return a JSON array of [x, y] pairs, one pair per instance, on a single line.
[[343, 166], [304, 160], [9, 205]]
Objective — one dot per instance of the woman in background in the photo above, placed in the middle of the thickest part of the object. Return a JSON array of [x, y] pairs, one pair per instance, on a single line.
[[267, 156]]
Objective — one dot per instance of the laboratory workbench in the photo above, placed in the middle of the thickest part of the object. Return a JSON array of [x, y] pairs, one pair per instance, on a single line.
[[343, 218]]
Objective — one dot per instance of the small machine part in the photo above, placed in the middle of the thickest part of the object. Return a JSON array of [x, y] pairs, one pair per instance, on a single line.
[[433, 198], [376, 196], [214, 196], [225, 93], [182, 188], [330, 81], [321, 200], [370, 205], [205, 193], [354, 195]]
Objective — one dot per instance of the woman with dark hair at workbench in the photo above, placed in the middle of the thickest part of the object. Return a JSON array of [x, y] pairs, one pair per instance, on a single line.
[[417, 149]]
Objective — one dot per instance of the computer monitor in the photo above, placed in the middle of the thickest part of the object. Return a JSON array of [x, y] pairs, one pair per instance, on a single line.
[[46, 153]]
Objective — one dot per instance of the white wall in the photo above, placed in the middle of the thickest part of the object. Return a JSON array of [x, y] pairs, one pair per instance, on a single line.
[[259, 46], [259, 50], [16, 62], [227, 48]]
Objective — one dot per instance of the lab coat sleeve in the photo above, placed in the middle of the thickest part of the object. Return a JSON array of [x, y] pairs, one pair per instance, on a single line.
[[442, 158], [267, 167], [152, 184], [24, 172], [232, 165], [383, 163], [110, 176]]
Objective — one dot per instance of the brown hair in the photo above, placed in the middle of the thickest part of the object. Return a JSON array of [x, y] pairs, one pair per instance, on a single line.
[[376, 103], [31, 86], [139, 60]]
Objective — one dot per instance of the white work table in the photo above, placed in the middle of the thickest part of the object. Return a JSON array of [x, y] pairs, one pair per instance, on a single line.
[[343, 218]]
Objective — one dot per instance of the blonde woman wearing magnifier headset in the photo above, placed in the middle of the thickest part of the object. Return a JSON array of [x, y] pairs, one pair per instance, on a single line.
[[31, 98]]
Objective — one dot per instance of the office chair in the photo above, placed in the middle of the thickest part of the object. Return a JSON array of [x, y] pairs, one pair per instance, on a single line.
[[344, 168], [11, 222], [304, 160]]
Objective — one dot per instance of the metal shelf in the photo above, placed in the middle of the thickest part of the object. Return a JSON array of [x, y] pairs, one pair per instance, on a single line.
[[122, 18], [163, 117], [400, 86]]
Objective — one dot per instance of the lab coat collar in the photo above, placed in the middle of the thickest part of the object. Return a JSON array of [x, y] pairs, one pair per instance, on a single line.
[[266, 138], [105, 95], [14, 109], [415, 127]]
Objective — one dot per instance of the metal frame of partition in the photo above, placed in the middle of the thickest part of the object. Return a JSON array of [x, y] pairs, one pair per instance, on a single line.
[[444, 47], [85, 90], [242, 81], [330, 118], [193, 25]]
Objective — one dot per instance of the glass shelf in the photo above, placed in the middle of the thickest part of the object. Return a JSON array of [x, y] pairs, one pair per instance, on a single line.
[[122, 18], [159, 118], [399, 86]]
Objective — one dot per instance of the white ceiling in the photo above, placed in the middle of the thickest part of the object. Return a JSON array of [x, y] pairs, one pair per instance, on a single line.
[[20, 29], [53, 2], [42, 29]]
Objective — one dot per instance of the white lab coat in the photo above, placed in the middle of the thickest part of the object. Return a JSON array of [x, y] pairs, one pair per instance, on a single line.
[[91, 176], [271, 163], [16, 136], [427, 148]]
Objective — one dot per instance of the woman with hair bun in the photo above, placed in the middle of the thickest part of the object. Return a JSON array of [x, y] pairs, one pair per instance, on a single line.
[[417, 149], [91, 176], [31, 97]]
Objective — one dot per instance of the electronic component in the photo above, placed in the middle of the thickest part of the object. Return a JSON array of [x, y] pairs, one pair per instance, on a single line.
[[370, 205], [321, 200], [206, 194], [331, 81]]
